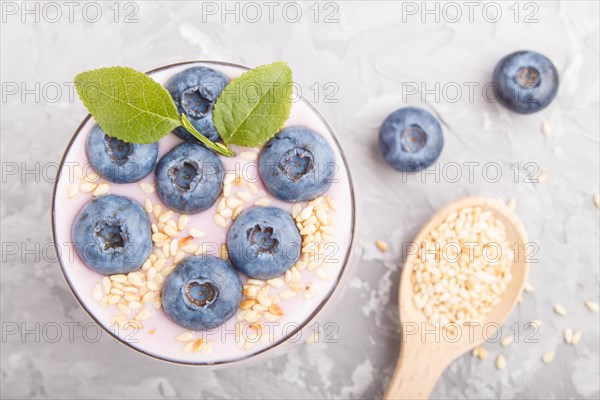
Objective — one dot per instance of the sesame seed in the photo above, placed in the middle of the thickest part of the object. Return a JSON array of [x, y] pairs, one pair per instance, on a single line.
[[87, 187], [184, 336], [500, 362], [560, 310], [252, 188], [243, 196], [313, 338], [568, 335], [287, 294], [548, 357], [263, 202], [219, 220], [101, 190], [120, 278], [148, 206], [592, 306], [507, 341], [147, 188], [276, 282], [90, 175], [164, 217], [187, 349], [576, 338], [198, 343], [331, 203], [528, 287], [197, 233], [226, 213], [511, 203], [156, 211], [229, 178], [170, 231], [542, 177], [97, 293], [73, 190], [545, 128], [249, 155], [597, 200], [182, 221], [233, 202], [381, 245]]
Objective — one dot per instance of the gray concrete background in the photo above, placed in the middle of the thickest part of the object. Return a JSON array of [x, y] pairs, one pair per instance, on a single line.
[[366, 59]]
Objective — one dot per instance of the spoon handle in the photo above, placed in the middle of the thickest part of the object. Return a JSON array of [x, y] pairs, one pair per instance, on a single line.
[[418, 369]]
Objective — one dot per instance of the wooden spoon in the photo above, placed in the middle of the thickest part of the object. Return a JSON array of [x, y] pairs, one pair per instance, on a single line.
[[423, 358]]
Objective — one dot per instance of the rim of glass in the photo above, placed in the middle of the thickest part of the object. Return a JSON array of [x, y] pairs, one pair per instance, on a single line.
[[275, 345]]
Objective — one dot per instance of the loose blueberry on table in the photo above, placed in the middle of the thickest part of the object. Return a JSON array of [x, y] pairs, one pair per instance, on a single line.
[[525, 81], [112, 235], [410, 139]]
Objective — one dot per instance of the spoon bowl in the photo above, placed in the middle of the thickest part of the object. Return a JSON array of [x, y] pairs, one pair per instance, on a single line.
[[426, 351]]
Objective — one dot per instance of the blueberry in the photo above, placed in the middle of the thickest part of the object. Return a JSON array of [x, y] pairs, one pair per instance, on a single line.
[[119, 161], [525, 81], [297, 164], [195, 91], [201, 293], [410, 139], [112, 235], [189, 178], [264, 242]]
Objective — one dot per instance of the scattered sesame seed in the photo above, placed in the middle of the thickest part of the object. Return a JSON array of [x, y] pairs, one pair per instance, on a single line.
[[542, 177], [511, 203], [528, 287], [592, 306], [507, 341], [568, 335], [560, 310], [576, 338], [548, 357], [381, 245], [313, 338], [500, 362], [545, 128]]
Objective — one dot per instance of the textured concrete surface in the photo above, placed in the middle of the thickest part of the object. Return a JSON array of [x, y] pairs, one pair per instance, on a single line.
[[357, 62]]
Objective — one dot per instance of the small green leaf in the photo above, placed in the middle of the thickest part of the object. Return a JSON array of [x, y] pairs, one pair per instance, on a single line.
[[127, 104], [255, 105]]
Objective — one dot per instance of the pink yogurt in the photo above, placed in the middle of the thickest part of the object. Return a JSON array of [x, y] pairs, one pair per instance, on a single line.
[[302, 317]]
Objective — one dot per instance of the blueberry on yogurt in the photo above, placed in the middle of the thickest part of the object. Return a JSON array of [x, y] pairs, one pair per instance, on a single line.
[[264, 242], [112, 235], [201, 293], [119, 161], [195, 91], [189, 178], [525, 81], [410, 139], [297, 164]]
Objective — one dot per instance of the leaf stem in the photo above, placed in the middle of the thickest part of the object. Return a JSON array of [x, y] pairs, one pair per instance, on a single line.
[[218, 147]]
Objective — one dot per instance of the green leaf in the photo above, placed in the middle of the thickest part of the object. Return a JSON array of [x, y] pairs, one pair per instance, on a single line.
[[255, 105], [127, 104]]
